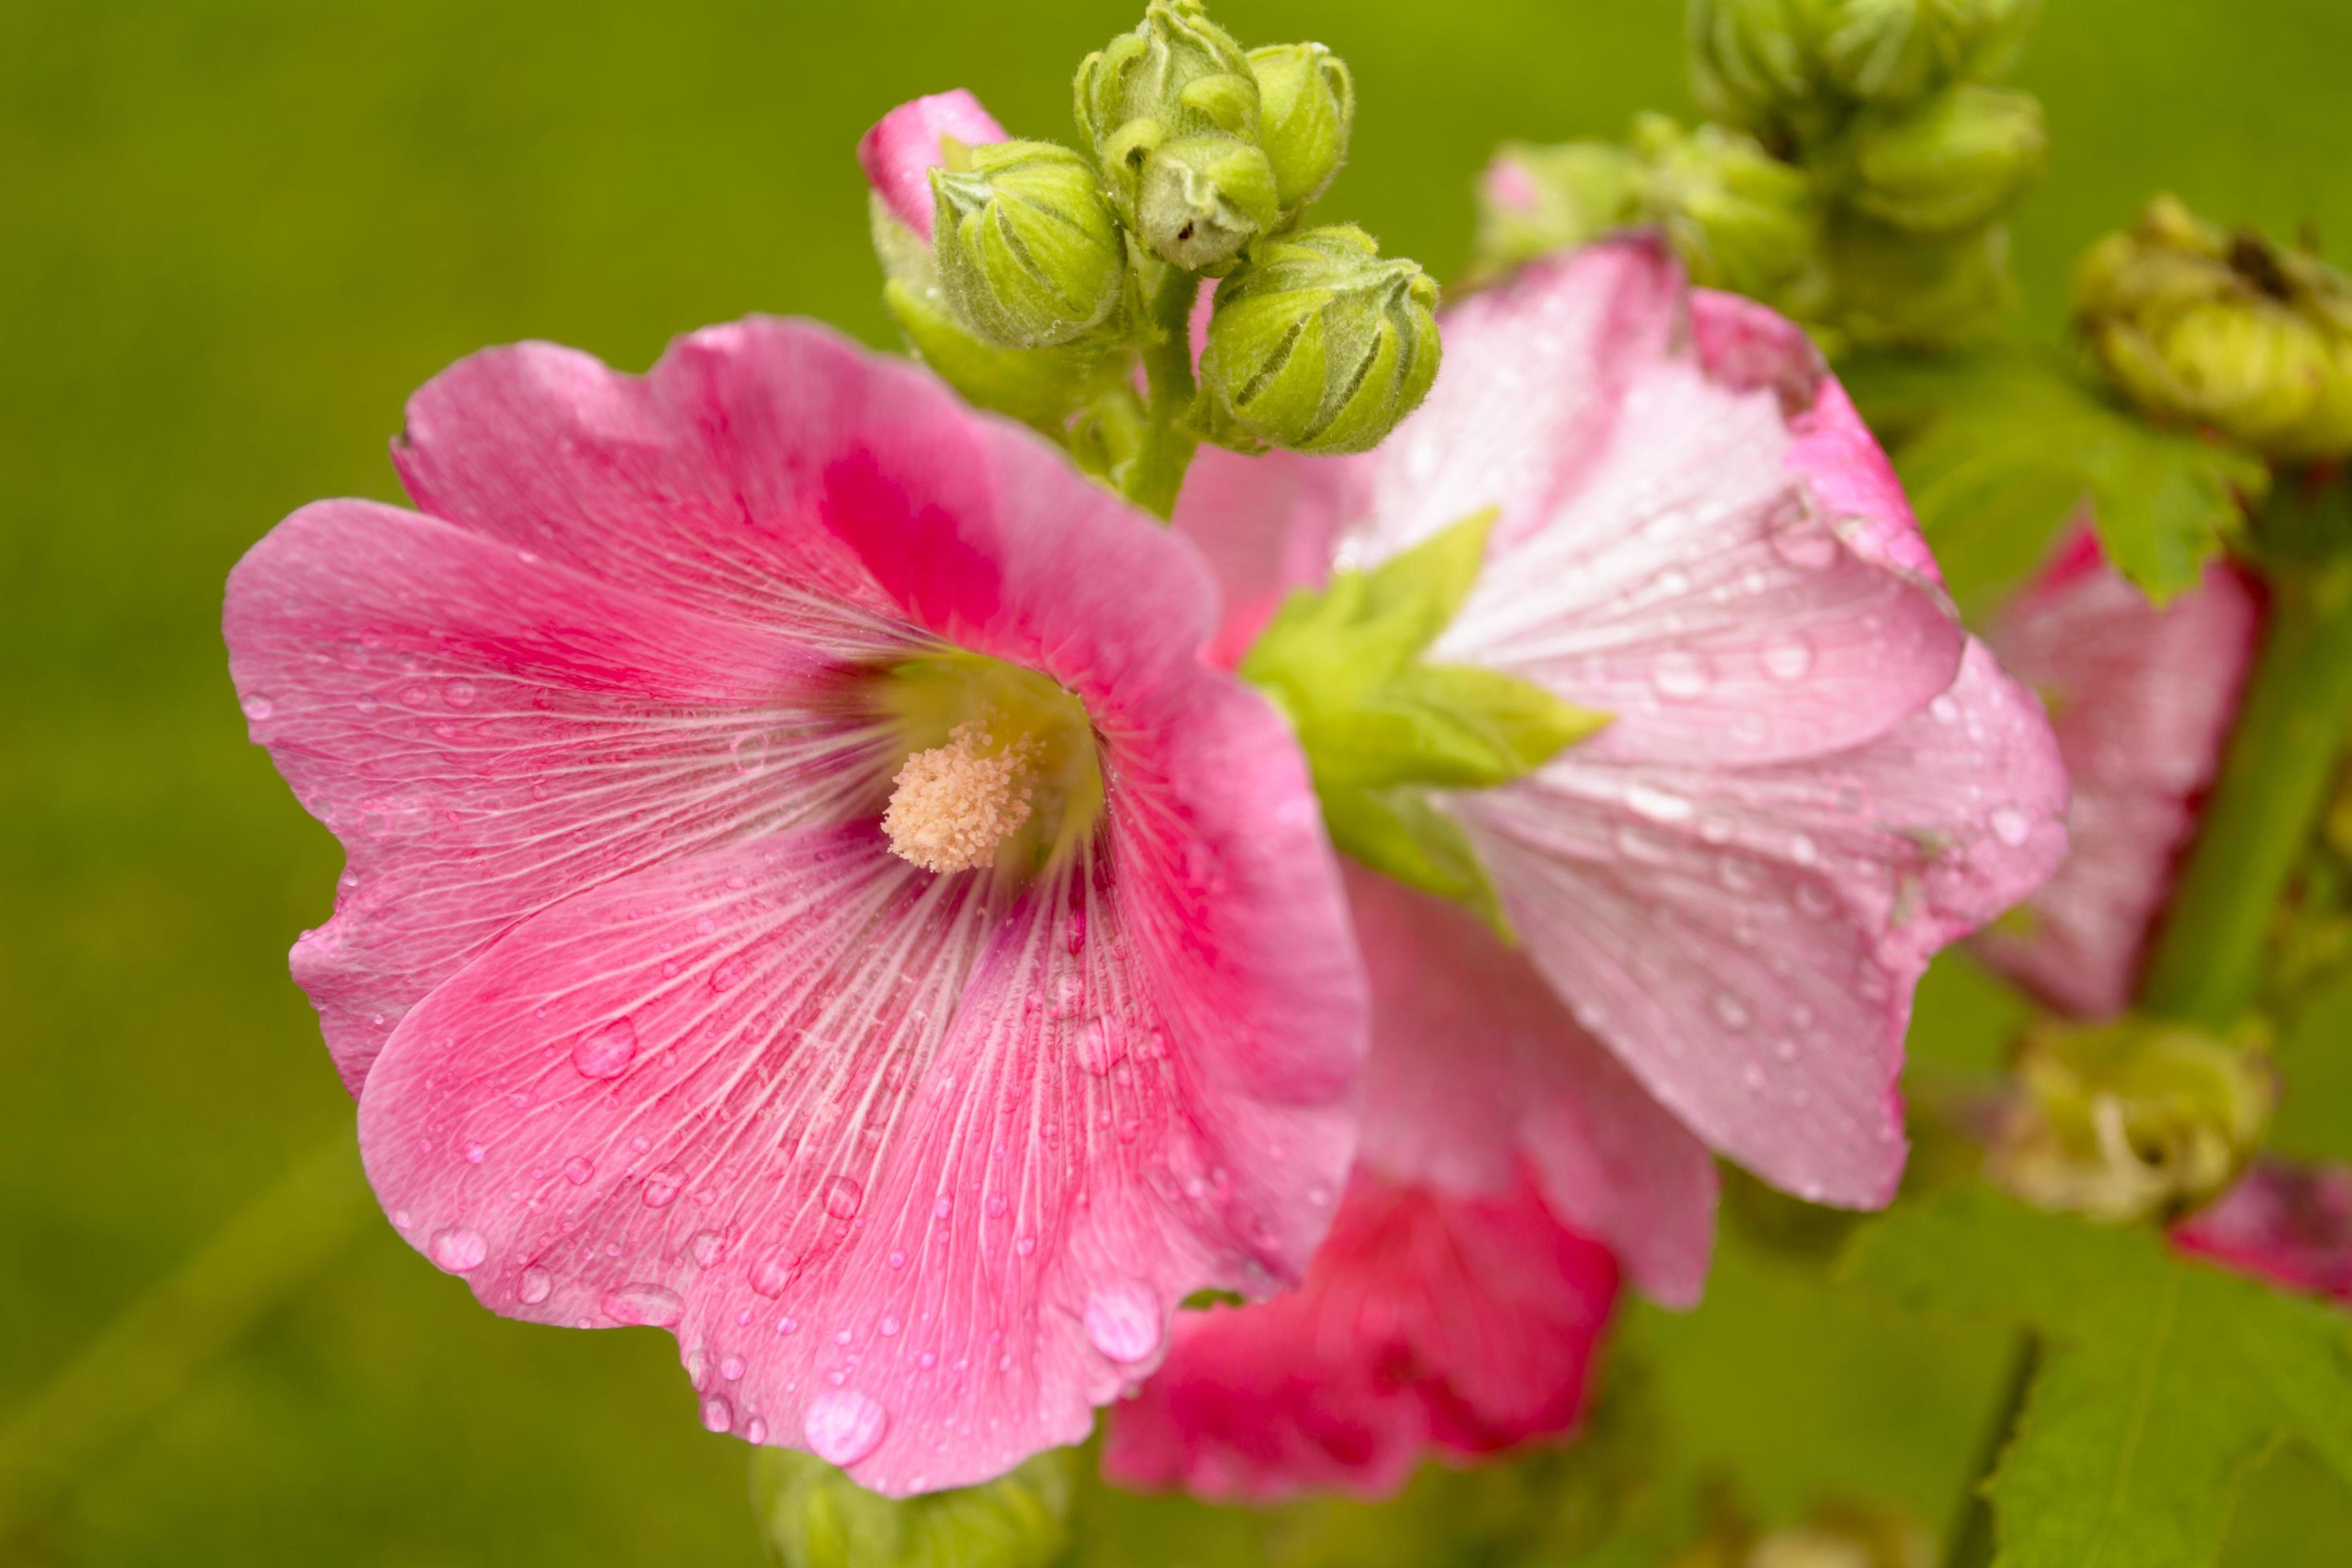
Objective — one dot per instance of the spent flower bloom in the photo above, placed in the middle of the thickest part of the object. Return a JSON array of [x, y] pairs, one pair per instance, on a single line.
[[1813, 778], [2142, 697], [640, 736]]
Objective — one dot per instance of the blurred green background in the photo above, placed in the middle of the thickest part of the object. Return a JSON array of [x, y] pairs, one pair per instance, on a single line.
[[233, 236]]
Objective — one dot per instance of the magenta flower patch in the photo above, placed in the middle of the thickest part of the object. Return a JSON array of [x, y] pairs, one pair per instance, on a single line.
[[805, 891]]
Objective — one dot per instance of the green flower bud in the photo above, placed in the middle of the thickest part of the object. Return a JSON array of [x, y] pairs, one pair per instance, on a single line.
[[1884, 50], [2132, 1120], [1202, 199], [1319, 344], [2224, 329], [1028, 251], [813, 1516], [1752, 61], [1178, 69], [1895, 290], [1536, 200], [1740, 218], [1306, 105], [1952, 162]]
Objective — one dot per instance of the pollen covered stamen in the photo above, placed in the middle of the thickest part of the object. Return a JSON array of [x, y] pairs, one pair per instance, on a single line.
[[951, 805]]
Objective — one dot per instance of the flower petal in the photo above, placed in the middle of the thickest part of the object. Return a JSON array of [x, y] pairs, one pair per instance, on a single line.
[[898, 153], [918, 1179], [1666, 551], [1461, 1325], [2288, 1224], [1480, 1080], [2143, 698], [1747, 940], [488, 731]]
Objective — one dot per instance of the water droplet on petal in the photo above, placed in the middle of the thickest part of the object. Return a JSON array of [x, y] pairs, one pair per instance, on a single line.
[[648, 1304], [535, 1286], [1680, 675], [717, 1416], [771, 1275], [756, 1431], [1731, 1011], [749, 752], [730, 975], [458, 1249], [706, 1247], [1789, 658], [608, 1052], [1802, 541], [842, 1196], [731, 1368], [257, 707], [1122, 1321], [1658, 805], [459, 694], [661, 1187], [2011, 826], [578, 1169], [844, 1426], [1096, 1051]]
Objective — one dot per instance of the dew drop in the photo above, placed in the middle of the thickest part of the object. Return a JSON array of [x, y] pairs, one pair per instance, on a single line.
[[662, 1186], [652, 1305], [458, 1249], [756, 1431], [706, 1247], [844, 1426], [578, 1169], [842, 1196], [1680, 675], [1789, 658], [1731, 1011], [257, 707], [1658, 805], [1800, 539], [535, 1286], [771, 1275], [1096, 1050], [731, 1368], [608, 1052], [459, 694], [2011, 826], [730, 975], [749, 752], [1122, 1321], [717, 1416]]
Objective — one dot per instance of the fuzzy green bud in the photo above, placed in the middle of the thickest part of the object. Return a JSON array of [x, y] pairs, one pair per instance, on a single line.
[[2225, 330], [1028, 252], [1891, 51], [813, 1516], [1319, 344], [2131, 1119], [1536, 200], [1948, 163], [1306, 106], [1201, 199], [1178, 69], [1740, 218], [1895, 290], [1752, 61]]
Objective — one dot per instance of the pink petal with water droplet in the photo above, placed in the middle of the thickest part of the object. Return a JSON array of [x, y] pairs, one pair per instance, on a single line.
[[1427, 1324], [621, 571], [2142, 697], [904, 146], [1480, 1078]]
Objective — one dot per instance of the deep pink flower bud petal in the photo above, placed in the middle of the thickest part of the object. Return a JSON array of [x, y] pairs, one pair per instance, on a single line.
[[1427, 1323], [2288, 1224], [2143, 697], [904, 146]]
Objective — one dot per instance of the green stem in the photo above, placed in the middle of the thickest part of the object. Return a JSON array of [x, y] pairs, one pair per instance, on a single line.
[[1157, 472], [140, 1363], [2273, 788], [1970, 1543]]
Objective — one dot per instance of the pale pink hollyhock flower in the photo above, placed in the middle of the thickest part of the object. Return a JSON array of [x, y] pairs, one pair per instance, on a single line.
[[1813, 779], [905, 144], [2143, 697], [2288, 1224], [647, 1021]]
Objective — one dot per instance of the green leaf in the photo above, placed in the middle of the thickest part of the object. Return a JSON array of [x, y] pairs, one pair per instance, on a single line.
[[1446, 725], [813, 1516], [1399, 834], [1997, 450], [1325, 647], [2163, 1381]]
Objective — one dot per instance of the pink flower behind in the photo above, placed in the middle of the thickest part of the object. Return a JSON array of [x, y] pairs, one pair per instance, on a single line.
[[2143, 697], [1461, 1325], [647, 1022], [2287, 1223], [905, 144], [1813, 779]]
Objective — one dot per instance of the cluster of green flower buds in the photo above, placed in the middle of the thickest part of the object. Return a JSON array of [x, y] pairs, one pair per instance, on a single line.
[[1857, 175], [2225, 330], [2132, 1120], [1050, 270]]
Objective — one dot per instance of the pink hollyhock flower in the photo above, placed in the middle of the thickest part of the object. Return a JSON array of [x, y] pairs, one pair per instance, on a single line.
[[2287, 1223], [1812, 782], [2143, 697], [1813, 779], [902, 148], [640, 737]]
